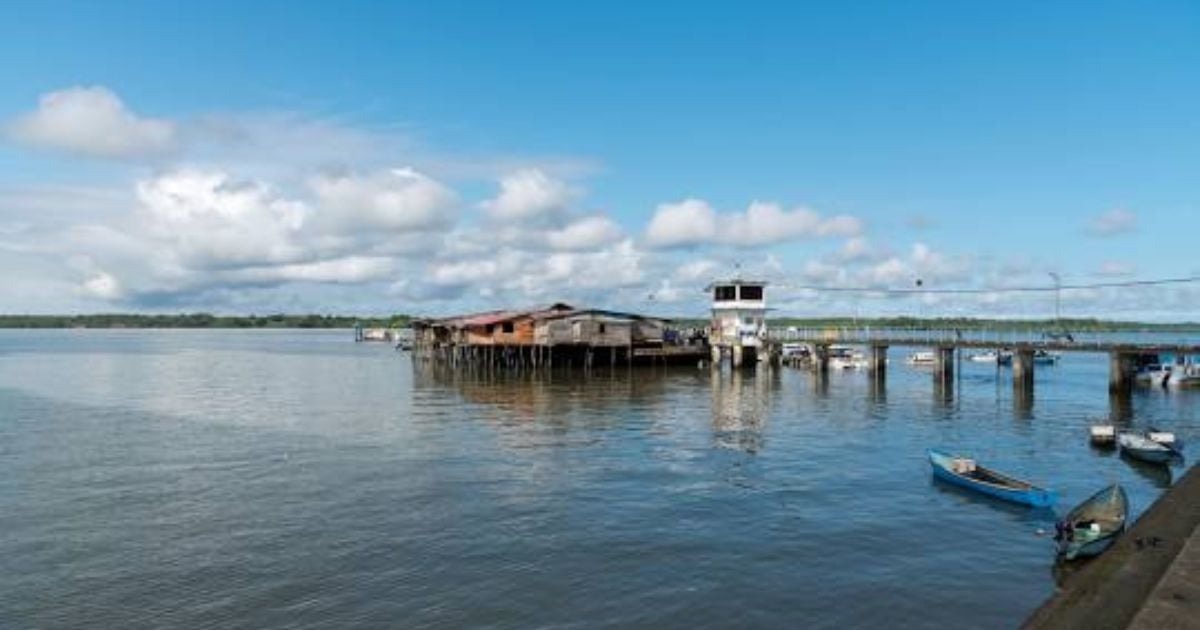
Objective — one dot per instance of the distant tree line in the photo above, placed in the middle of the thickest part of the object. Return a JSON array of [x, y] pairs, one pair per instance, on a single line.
[[200, 320]]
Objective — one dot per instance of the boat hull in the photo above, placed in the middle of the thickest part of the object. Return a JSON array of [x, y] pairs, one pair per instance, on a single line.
[[1032, 496], [1144, 449], [1071, 551], [1152, 456], [1092, 526]]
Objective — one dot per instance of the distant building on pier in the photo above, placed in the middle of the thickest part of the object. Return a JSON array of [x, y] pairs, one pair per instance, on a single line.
[[558, 333], [739, 320]]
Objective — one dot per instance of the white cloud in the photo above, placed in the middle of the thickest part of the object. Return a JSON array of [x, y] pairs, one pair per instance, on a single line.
[[1116, 269], [529, 194], [400, 199], [1111, 223], [213, 220], [694, 271], [351, 269], [102, 285], [92, 121], [584, 234], [694, 222], [688, 222]]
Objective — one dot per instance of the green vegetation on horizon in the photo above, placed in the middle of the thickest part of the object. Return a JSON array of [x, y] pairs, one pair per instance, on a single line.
[[199, 320]]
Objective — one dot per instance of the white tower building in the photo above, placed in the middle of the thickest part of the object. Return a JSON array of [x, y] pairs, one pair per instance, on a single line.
[[739, 319]]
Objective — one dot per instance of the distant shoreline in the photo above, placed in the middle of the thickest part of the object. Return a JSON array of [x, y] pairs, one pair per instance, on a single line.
[[313, 321], [199, 321]]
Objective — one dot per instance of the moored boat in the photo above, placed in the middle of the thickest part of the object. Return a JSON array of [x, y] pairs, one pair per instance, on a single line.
[[1166, 438], [923, 357], [1092, 526], [967, 473], [1141, 447], [1042, 357], [1002, 357], [846, 358], [1103, 434]]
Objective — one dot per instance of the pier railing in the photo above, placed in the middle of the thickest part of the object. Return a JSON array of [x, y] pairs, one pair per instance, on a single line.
[[1123, 341]]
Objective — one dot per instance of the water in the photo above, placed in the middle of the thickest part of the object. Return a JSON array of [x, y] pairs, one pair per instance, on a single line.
[[250, 479]]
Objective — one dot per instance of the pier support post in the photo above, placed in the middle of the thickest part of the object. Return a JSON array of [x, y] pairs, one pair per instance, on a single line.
[[943, 367], [821, 359], [877, 362], [1120, 372], [737, 355], [1022, 369]]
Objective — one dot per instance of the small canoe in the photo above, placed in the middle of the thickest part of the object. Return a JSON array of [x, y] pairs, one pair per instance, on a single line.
[[965, 472], [1092, 526], [1104, 434], [1143, 448]]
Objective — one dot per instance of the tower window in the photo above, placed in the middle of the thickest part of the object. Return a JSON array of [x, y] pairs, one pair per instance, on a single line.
[[752, 293], [725, 294]]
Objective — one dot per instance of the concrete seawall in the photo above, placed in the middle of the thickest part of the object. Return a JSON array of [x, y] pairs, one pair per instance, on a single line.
[[1149, 579]]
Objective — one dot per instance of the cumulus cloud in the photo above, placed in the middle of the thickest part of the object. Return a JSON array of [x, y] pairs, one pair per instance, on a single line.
[[694, 222], [584, 234], [1112, 223], [351, 269], [529, 194], [214, 220], [400, 199], [92, 121]]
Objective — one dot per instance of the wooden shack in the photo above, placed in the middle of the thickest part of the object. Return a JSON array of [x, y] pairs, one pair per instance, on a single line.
[[555, 334], [597, 328]]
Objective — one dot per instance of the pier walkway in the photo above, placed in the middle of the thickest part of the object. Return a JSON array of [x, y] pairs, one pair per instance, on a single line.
[[1149, 579], [1124, 351]]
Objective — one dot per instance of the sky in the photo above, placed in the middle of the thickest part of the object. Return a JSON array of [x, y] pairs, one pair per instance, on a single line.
[[440, 157]]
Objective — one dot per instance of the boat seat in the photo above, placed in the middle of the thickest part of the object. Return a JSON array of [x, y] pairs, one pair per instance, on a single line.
[[962, 465]]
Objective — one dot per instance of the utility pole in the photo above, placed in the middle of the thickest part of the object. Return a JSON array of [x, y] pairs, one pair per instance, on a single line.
[[1057, 298]]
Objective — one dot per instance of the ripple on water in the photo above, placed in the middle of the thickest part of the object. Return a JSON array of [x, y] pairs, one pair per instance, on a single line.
[[291, 480]]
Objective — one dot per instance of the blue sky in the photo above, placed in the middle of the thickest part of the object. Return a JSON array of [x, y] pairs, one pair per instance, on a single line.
[[243, 157]]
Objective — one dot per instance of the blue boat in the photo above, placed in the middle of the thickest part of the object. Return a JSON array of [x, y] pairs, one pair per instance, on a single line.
[[965, 472]]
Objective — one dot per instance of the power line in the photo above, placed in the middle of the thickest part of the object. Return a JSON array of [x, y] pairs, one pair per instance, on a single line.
[[1019, 289]]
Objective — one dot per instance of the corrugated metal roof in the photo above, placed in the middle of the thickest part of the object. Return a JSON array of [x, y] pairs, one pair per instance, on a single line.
[[602, 313]]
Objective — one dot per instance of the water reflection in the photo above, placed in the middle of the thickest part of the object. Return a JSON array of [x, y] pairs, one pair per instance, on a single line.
[[1023, 403], [877, 389], [740, 405], [1157, 474], [546, 396], [1120, 406], [1018, 513], [943, 394]]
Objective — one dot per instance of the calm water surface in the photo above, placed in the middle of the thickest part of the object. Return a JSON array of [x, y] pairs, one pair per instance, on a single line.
[[242, 479]]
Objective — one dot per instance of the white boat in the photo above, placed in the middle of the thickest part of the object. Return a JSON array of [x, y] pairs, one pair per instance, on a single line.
[[923, 357], [1002, 357], [846, 358], [1183, 372], [1041, 357], [1103, 434], [1166, 438], [795, 350], [1143, 448]]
